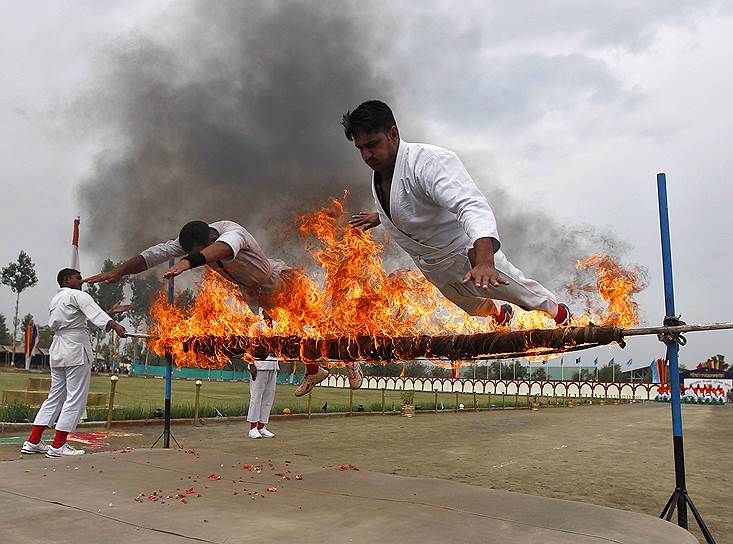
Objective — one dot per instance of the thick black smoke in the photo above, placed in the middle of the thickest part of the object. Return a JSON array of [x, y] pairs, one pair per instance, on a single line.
[[230, 111], [236, 116]]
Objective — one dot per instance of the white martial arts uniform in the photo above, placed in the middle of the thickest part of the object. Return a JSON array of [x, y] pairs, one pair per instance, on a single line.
[[72, 312], [259, 279], [262, 391], [436, 214]]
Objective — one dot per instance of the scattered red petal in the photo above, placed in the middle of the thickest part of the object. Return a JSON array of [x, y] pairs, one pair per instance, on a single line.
[[214, 477], [298, 476], [246, 466], [126, 450], [190, 490], [271, 489]]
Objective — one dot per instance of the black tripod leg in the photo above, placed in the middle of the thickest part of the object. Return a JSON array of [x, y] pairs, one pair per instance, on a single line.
[[700, 522], [671, 506], [670, 502]]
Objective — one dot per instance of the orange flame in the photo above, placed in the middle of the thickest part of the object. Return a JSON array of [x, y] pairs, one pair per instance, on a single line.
[[352, 295]]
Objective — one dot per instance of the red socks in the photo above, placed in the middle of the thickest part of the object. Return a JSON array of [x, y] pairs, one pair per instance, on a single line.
[[311, 369], [60, 439], [36, 434], [253, 425], [260, 425]]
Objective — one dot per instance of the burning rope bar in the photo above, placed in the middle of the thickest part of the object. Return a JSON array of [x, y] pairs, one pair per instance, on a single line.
[[466, 346], [384, 348]]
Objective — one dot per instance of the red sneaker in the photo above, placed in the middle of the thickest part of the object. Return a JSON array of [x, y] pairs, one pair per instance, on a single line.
[[562, 319]]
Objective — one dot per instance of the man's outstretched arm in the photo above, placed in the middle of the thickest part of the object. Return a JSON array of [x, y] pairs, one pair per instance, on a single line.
[[134, 265]]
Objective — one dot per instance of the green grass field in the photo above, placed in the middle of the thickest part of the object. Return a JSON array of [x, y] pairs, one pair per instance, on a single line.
[[137, 397]]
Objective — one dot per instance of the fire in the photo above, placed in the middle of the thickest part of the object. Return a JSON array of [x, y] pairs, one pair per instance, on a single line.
[[351, 294], [616, 285]]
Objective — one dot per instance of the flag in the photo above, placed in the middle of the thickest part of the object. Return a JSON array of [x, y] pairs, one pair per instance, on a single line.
[[31, 342], [628, 363], [455, 369], [75, 244], [659, 371], [402, 374], [595, 362], [577, 361], [699, 365], [611, 362], [562, 361]]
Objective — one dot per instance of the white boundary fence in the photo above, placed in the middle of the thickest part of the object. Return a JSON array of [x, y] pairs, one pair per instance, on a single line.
[[573, 389]]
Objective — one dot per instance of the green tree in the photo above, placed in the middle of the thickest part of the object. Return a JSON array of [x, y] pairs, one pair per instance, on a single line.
[[4, 332], [145, 289], [45, 335], [19, 276], [107, 294]]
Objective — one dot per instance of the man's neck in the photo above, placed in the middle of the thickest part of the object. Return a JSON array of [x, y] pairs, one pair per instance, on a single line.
[[386, 175]]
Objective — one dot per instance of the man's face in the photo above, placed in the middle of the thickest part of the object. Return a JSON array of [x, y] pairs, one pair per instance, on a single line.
[[73, 281], [378, 149]]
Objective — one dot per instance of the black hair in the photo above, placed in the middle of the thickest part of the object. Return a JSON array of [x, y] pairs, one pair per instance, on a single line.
[[370, 116], [195, 233], [65, 273]]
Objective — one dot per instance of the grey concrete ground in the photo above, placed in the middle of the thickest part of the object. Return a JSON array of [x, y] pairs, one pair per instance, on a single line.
[[106, 497]]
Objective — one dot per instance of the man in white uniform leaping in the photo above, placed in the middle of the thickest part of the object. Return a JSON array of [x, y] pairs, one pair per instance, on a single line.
[[231, 251], [431, 207]]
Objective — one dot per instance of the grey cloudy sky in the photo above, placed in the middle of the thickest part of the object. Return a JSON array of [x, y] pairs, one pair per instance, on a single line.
[[562, 110]]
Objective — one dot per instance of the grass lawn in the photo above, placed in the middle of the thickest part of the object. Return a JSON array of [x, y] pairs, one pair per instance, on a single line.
[[136, 397]]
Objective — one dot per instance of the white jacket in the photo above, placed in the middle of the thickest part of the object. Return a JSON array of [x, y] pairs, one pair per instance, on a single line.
[[436, 208], [257, 276], [72, 313]]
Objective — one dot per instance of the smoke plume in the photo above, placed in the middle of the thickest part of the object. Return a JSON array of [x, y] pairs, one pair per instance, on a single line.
[[230, 110]]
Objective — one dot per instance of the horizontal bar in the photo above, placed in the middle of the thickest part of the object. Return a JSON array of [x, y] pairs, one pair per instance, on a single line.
[[641, 331]]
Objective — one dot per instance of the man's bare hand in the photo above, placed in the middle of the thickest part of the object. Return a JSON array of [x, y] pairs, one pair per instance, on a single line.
[[364, 220], [253, 372], [119, 329], [483, 276], [113, 276], [176, 269]]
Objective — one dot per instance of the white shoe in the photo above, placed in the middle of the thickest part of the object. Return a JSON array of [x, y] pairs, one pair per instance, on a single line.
[[310, 381], [264, 433], [254, 433], [30, 447], [355, 375], [63, 451]]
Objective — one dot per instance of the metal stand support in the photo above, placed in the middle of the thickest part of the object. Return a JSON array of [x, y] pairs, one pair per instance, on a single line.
[[680, 499]]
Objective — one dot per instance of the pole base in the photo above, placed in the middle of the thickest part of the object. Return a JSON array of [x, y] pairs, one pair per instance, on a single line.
[[682, 498], [166, 435]]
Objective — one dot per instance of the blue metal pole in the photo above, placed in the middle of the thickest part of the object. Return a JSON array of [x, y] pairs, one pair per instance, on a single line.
[[168, 376], [672, 352]]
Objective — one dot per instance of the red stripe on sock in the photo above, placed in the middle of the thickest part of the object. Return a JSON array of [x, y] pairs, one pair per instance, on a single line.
[[60, 439], [36, 434]]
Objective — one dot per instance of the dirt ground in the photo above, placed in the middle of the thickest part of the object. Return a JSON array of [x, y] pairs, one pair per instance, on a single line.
[[618, 456]]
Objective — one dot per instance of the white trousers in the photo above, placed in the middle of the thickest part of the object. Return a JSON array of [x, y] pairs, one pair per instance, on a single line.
[[67, 398], [261, 396], [447, 275]]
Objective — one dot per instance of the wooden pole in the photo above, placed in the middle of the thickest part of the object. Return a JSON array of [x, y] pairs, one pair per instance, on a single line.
[[456, 401], [196, 403], [435, 400], [112, 385], [351, 402], [383, 401], [475, 403], [309, 405]]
